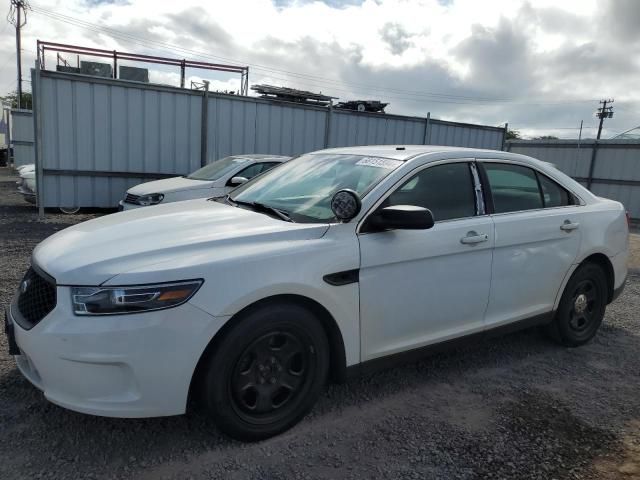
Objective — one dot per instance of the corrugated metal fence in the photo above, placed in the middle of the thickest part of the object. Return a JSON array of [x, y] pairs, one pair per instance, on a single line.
[[609, 168], [96, 137], [22, 137]]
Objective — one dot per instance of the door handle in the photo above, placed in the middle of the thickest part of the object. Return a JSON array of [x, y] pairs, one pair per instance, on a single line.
[[472, 238], [568, 226]]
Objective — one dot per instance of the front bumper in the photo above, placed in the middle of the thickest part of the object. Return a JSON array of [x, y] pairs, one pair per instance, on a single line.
[[122, 206], [28, 194], [116, 366]]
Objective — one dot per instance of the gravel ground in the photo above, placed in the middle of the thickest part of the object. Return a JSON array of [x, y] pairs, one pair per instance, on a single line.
[[634, 258], [513, 407]]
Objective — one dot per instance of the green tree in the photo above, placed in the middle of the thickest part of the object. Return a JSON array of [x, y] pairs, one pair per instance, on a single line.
[[546, 137], [513, 135], [12, 99]]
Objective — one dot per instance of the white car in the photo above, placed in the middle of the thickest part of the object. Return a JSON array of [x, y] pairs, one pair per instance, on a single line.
[[211, 181], [27, 167], [338, 260], [27, 182], [28, 188]]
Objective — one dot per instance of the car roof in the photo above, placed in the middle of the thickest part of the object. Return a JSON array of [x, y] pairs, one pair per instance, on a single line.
[[437, 152], [263, 156], [401, 152]]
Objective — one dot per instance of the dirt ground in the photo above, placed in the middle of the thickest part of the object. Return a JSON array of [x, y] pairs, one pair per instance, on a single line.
[[514, 407]]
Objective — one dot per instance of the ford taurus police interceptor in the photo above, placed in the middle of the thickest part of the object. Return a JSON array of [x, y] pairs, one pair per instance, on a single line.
[[337, 260]]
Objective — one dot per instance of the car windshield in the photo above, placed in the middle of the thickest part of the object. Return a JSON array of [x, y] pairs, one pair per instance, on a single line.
[[302, 188], [218, 169]]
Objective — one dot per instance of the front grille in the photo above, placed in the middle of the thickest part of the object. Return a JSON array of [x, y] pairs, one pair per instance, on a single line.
[[129, 198], [37, 297]]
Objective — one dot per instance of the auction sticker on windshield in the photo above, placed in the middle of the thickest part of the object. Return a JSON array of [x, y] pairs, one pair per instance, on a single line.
[[387, 163]]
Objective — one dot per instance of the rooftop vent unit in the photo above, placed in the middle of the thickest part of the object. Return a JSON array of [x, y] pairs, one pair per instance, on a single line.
[[363, 105], [284, 94], [67, 69], [96, 69], [134, 73]]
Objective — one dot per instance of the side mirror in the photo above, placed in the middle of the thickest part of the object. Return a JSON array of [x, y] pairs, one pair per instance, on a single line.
[[235, 181], [401, 217]]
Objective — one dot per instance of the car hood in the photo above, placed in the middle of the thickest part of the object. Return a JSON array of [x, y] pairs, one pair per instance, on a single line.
[[169, 185], [92, 252]]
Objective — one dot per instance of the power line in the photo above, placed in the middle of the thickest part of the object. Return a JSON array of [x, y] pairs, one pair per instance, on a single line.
[[302, 78]]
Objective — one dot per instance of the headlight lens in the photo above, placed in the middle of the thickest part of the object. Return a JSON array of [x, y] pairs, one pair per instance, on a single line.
[[151, 199], [131, 299]]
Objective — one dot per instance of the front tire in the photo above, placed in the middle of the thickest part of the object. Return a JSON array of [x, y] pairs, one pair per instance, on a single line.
[[581, 307], [266, 372]]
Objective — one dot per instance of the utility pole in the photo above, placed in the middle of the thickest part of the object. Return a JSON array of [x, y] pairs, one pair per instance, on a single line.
[[604, 112], [16, 17]]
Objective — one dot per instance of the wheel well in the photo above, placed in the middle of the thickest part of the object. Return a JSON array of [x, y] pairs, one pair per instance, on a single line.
[[338, 362], [604, 262]]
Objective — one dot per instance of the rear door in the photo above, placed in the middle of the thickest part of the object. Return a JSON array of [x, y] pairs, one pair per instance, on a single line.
[[537, 239]]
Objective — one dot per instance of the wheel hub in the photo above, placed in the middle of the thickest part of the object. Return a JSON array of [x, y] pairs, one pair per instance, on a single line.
[[270, 373], [580, 304]]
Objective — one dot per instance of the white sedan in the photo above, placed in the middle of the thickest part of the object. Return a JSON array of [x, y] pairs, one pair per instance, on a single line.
[[338, 260], [211, 181]]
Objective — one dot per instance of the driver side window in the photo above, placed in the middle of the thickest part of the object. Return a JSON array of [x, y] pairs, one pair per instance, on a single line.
[[447, 190]]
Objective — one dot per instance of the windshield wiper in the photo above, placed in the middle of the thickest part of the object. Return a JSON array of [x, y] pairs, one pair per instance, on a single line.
[[261, 207]]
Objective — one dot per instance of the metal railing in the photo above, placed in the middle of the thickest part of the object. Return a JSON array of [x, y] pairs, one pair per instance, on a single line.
[[115, 56]]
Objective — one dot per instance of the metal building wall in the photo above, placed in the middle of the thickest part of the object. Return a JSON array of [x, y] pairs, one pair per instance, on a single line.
[[22, 137], [238, 125], [464, 135], [100, 138], [97, 137], [352, 128], [609, 168]]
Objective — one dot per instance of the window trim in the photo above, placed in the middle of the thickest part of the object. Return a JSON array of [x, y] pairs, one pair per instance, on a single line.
[[415, 171], [489, 195]]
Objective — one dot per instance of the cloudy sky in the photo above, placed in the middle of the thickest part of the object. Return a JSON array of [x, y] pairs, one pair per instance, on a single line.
[[541, 65]]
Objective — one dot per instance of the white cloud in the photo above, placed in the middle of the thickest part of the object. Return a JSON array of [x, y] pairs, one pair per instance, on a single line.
[[540, 52]]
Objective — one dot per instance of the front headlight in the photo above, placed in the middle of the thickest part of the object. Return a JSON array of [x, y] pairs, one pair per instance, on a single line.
[[131, 299], [151, 199]]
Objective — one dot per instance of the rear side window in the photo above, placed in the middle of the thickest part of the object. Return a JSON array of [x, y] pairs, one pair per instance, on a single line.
[[447, 190], [513, 188], [553, 194]]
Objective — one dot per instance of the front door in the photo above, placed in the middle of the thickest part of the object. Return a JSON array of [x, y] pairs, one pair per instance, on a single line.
[[419, 287]]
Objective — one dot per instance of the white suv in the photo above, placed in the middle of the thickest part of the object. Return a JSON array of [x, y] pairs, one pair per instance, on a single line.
[[337, 260]]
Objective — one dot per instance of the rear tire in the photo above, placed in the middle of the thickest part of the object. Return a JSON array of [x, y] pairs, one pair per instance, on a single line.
[[266, 372], [581, 307]]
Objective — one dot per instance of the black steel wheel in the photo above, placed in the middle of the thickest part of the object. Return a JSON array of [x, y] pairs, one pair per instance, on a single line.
[[271, 372], [266, 372], [582, 306]]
